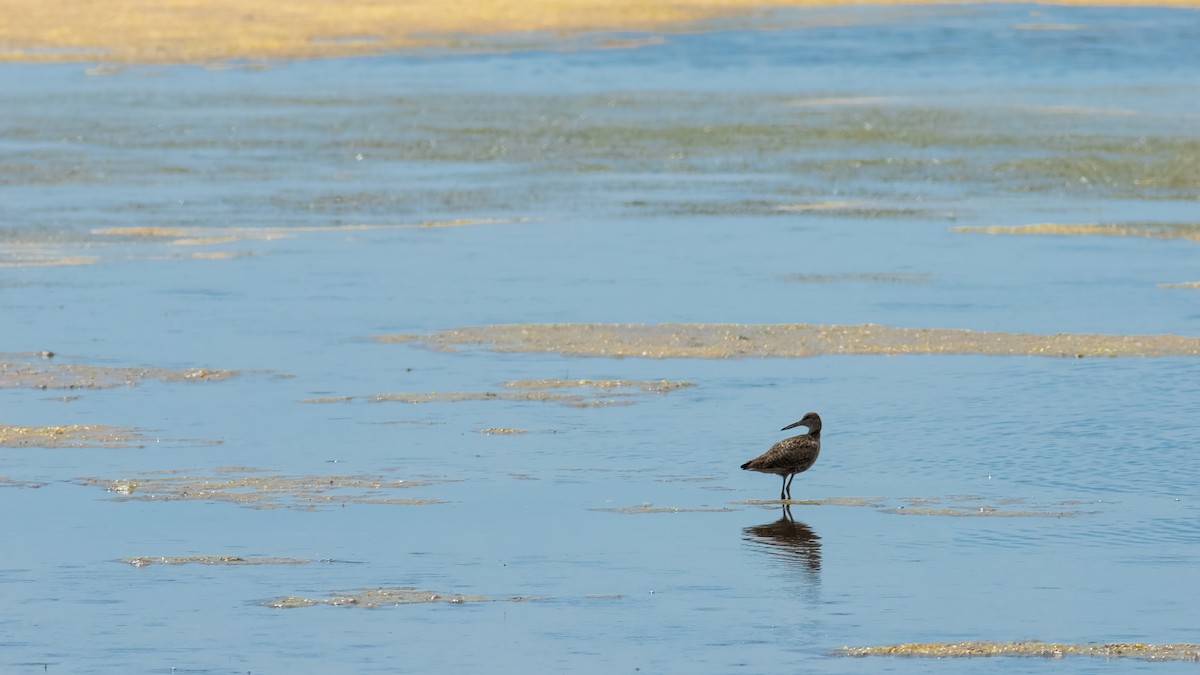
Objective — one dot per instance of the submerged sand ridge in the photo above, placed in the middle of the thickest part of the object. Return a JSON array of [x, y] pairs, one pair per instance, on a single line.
[[1148, 230], [230, 560], [384, 597], [721, 341], [617, 392], [1136, 650], [256, 488]]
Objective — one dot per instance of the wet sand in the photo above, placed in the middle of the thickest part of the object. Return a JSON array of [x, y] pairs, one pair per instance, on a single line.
[[384, 597], [1053, 650], [191, 31], [70, 436], [33, 372], [255, 488], [722, 341], [956, 506], [1188, 231], [616, 392], [235, 560]]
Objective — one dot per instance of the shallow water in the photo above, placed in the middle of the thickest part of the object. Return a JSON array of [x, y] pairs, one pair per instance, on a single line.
[[618, 206]]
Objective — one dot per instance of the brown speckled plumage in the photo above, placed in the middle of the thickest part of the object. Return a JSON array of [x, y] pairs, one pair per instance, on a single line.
[[791, 455]]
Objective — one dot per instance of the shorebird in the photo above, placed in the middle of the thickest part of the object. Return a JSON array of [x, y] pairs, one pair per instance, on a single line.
[[791, 455]]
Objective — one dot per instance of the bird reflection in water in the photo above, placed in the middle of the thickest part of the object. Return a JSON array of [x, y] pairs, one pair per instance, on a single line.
[[791, 542]]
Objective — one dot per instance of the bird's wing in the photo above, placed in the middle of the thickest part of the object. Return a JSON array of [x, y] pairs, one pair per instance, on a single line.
[[788, 452]]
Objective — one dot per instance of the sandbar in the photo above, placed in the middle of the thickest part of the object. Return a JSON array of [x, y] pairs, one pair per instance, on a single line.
[[1137, 650], [726, 340], [215, 31]]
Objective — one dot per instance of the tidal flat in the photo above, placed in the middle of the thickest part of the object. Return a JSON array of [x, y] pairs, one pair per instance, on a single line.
[[70, 436], [1052, 650], [722, 341], [255, 488], [37, 371], [472, 328]]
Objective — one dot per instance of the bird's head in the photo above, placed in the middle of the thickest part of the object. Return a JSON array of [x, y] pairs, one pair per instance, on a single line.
[[811, 420]]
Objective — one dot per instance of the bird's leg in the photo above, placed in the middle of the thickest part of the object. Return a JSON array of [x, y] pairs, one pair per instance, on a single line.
[[783, 489], [789, 485]]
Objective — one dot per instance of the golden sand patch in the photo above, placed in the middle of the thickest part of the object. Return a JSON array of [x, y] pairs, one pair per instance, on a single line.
[[1151, 230], [1181, 284], [145, 561], [384, 597], [257, 489], [70, 436], [51, 375], [723, 341], [1137, 650], [151, 31]]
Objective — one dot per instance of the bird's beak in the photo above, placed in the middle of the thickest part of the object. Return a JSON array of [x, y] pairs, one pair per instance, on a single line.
[[793, 425]]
